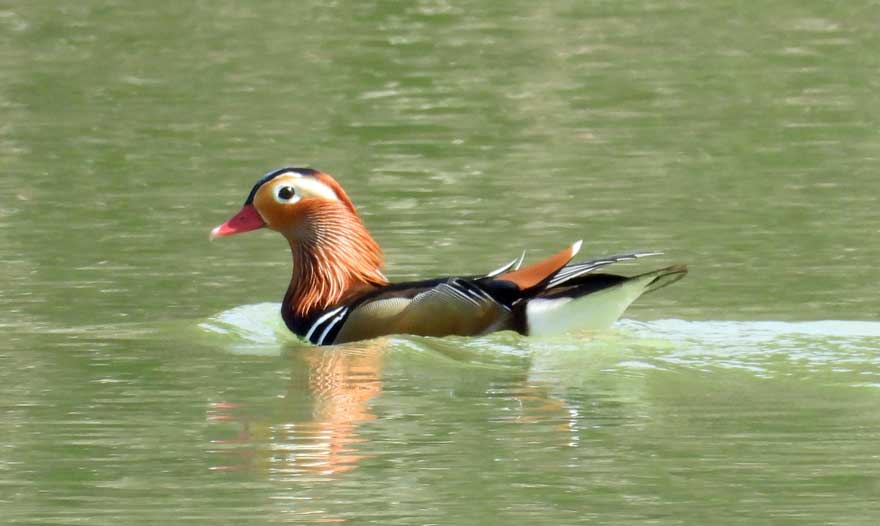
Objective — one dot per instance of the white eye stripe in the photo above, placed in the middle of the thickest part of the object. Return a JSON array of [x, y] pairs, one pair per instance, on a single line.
[[302, 187], [286, 194]]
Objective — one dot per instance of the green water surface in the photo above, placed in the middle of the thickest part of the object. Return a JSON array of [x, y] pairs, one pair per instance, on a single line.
[[146, 378]]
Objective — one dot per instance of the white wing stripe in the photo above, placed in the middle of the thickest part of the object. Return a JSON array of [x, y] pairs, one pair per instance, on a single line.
[[484, 294], [577, 270], [519, 261], [501, 269], [513, 265], [455, 290]]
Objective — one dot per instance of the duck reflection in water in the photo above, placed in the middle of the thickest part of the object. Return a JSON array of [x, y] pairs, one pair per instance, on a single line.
[[314, 427]]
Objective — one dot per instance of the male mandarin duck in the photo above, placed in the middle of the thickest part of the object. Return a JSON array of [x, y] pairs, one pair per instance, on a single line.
[[338, 293]]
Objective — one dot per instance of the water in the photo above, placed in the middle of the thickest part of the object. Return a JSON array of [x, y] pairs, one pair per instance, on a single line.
[[146, 376]]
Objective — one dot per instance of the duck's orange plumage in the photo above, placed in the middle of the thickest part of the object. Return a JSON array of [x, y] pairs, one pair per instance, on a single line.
[[338, 293], [333, 255]]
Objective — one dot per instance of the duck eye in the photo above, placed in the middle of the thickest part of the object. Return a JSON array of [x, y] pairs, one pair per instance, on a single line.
[[286, 193]]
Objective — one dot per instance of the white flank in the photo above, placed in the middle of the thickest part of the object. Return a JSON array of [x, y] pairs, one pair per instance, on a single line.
[[596, 311]]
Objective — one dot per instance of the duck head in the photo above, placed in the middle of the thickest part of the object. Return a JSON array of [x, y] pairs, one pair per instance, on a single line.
[[285, 200], [333, 252]]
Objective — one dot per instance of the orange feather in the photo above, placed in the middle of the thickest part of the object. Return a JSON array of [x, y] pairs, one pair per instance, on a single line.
[[528, 277], [328, 180], [333, 257]]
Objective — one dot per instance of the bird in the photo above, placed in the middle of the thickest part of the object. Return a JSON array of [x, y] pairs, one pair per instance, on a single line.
[[339, 294]]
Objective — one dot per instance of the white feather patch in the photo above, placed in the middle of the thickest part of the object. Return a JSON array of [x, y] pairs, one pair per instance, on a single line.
[[596, 311], [311, 187]]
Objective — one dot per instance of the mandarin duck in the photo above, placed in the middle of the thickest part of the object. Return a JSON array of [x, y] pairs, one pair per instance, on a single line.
[[339, 294]]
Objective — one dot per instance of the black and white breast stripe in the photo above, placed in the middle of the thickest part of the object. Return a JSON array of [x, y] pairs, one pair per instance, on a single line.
[[327, 326], [579, 269]]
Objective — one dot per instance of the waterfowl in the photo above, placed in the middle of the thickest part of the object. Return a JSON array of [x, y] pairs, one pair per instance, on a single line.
[[338, 293]]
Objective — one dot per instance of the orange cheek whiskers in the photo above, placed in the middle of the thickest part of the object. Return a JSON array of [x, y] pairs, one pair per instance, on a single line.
[[333, 254]]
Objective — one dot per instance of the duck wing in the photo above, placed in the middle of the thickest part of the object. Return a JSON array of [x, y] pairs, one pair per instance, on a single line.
[[463, 306], [451, 306]]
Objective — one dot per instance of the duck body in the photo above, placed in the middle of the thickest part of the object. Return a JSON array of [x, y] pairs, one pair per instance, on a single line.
[[338, 293]]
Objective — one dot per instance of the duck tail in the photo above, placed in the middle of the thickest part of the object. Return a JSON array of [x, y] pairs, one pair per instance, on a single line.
[[664, 277], [592, 302]]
